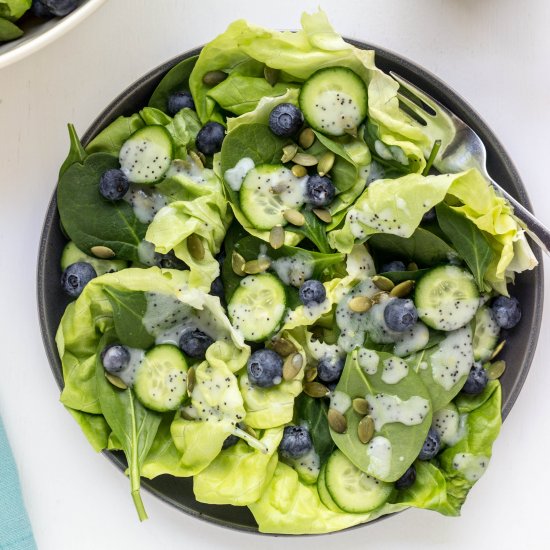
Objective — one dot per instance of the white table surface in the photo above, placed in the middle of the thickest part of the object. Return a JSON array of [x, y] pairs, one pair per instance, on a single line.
[[493, 52]]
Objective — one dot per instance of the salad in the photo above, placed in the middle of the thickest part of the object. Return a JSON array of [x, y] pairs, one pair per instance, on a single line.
[[278, 294]]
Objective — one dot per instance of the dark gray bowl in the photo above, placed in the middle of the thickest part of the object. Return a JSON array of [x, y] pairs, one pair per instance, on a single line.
[[521, 342]]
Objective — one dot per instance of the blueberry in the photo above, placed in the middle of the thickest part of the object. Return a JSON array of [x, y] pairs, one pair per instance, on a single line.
[[320, 190], [113, 184], [194, 342], [507, 311], [210, 137], [40, 10], [429, 216], [296, 442], [476, 381], [115, 357], [229, 441], [312, 292], [431, 446], [216, 288], [400, 314], [178, 101], [407, 479], [396, 265], [330, 369], [285, 120], [265, 368], [170, 261], [60, 8], [76, 277]]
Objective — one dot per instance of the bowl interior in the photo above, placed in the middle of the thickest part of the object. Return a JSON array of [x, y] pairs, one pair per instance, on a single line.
[[521, 343]]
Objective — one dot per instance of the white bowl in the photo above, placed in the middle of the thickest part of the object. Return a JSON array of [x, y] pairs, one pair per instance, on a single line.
[[40, 33]]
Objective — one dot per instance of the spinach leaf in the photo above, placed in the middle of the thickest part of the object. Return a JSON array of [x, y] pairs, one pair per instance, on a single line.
[[175, 80], [112, 224], [422, 247], [129, 307], [406, 441], [76, 151], [134, 426], [315, 230], [110, 139], [471, 244], [314, 413]]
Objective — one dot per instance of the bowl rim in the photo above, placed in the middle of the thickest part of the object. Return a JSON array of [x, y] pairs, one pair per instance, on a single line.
[[61, 27], [444, 92]]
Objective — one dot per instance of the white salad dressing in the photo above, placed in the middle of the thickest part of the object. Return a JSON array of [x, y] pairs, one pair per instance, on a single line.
[[386, 409], [146, 253], [453, 358], [359, 263], [395, 370], [399, 155], [450, 425], [368, 360], [379, 451], [311, 462], [189, 168], [235, 176], [145, 202], [471, 466], [294, 270], [337, 120], [384, 221], [340, 401], [412, 340], [128, 374], [382, 150]]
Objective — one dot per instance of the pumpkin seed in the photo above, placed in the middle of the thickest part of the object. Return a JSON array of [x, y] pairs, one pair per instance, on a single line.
[[195, 247], [496, 370], [103, 252], [323, 215], [413, 266], [402, 289], [337, 421], [250, 431], [303, 159], [185, 415], [271, 75], [283, 347], [277, 189], [191, 378], [306, 138], [360, 405], [213, 78], [289, 152], [498, 349], [365, 429], [326, 162], [299, 171], [351, 131], [315, 389], [310, 374], [294, 217], [277, 237], [383, 283], [378, 296], [116, 381], [196, 159], [202, 157], [360, 304], [292, 365], [253, 267], [237, 263]]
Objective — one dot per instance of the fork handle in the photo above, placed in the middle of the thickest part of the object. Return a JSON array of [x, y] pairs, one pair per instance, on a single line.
[[538, 232]]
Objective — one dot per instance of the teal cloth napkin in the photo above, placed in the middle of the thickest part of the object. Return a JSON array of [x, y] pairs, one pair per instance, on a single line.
[[15, 529]]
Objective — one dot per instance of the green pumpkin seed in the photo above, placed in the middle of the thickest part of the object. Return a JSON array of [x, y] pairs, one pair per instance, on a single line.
[[271, 75], [299, 171], [360, 304], [498, 349], [315, 389], [413, 266], [294, 217], [254, 267], [306, 138], [213, 78], [103, 252], [289, 152], [323, 215], [277, 237], [351, 131], [311, 374], [191, 378], [237, 263], [196, 159], [365, 429], [337, 421], [378, 297], [402, 289], [283, 347], [116, 381], [202, 157], [496, 370], [303, 159], [326, 162], [250, 431], [383, 283], [292, 366], [195, 247], [360, 406]]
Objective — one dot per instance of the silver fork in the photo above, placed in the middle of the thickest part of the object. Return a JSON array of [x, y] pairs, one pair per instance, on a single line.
[[461, 148]]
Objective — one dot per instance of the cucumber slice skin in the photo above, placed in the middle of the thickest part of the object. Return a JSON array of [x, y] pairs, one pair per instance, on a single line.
[[161, 380], [334, 100], [147, 154], [324, 495], [72, 254], [351, 489], [257, 306], [486, 333], [446, 297]]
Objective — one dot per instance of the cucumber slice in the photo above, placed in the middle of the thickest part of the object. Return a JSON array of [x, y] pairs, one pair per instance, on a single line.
[[446, 298], [486, 334], [322, 490], [146, 155], [267, 191], [353, 490], [161, 380], [334, 100], [72, 254], [257, 306]]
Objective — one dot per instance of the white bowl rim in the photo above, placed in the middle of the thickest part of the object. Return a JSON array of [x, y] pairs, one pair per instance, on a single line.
[[64, 25]]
